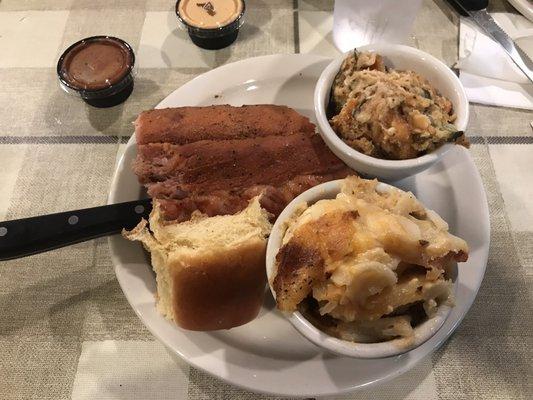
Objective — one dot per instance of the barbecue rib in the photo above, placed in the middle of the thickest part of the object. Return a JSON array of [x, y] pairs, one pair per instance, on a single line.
[[228, 156], [190, 124]]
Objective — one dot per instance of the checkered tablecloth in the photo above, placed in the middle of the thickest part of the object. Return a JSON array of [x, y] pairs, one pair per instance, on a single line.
[[66, 330]]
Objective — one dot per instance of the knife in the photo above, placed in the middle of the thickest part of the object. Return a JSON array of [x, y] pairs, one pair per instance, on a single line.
[[27, 236], [476, 10]]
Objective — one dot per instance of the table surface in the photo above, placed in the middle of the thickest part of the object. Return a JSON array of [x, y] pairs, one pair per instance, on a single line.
[[66, 330]]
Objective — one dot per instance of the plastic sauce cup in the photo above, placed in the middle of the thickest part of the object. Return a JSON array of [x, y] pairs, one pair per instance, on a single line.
[[99, 69], [211, 24]]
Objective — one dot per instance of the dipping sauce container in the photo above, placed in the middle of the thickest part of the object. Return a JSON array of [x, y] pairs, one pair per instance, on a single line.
[[212, 24], [98, 69]]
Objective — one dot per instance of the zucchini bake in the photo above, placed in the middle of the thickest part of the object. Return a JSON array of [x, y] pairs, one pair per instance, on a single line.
[[389, 114]]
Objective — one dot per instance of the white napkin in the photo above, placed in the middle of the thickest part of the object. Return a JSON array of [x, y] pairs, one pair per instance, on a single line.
[[360, 22], [486, 71]]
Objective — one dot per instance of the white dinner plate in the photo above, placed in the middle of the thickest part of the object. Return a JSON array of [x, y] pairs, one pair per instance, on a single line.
[[268, 355]]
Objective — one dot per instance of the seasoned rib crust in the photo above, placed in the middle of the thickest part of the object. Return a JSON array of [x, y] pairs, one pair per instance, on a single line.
[[221, 202], [219, 176], [221, 122], [230, 163]]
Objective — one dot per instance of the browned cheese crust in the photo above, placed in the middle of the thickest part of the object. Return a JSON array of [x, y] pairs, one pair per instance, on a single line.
[[301, 260]]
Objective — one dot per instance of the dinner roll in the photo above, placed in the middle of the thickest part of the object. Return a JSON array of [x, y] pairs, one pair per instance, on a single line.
[[210, 271]]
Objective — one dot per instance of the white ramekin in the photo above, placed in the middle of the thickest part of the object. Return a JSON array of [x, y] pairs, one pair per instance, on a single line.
[[401, 58], [422, 332]]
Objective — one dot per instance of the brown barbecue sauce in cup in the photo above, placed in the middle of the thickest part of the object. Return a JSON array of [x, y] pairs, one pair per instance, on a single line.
[[212, 24], [99, 69]]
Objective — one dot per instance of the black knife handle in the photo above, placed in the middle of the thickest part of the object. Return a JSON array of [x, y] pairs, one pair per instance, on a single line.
[[23, 237], [463, 6]]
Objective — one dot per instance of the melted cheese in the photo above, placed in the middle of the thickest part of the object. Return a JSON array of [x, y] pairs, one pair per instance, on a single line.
[[361, 264]]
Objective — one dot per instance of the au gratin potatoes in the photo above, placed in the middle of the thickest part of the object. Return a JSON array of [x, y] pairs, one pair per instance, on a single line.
[[364, 265]]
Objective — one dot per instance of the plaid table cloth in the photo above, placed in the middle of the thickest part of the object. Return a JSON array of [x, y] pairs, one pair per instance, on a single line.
[[66, 330]]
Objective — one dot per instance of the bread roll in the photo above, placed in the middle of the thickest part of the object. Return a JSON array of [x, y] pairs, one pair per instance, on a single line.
[[210, 271]]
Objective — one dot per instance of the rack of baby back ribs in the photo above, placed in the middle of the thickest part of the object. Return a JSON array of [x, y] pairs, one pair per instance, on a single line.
[[215, 159]]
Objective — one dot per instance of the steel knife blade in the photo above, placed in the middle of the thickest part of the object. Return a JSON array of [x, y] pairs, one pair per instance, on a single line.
[[476, 10]]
